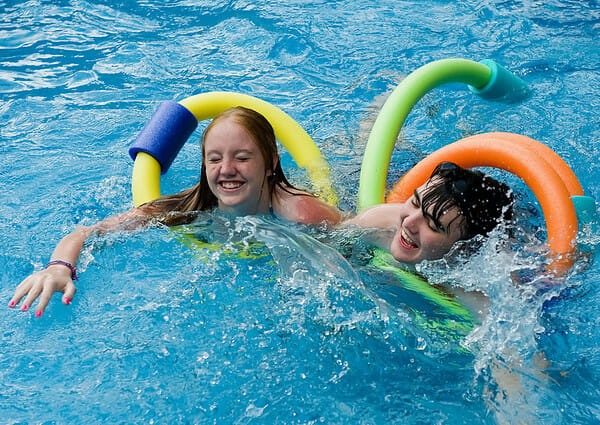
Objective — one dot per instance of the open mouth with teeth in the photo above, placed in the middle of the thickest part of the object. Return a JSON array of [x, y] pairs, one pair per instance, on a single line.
[[406, 241], [231, 185]]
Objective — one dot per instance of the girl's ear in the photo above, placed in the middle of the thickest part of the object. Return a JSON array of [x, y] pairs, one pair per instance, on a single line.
[[272, 170]]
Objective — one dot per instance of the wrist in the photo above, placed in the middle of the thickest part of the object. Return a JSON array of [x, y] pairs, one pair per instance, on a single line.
[[71, 267]]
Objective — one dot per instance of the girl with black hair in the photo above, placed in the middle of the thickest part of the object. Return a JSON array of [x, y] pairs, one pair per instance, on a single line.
[[454, 204]]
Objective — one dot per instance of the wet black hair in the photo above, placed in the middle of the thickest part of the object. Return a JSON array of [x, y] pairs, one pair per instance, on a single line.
[[482, 201]]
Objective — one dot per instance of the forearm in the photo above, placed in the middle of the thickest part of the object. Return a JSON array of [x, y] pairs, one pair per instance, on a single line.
[[69, 248]]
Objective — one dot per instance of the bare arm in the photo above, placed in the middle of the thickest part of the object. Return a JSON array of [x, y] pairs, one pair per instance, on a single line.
[[378, 216], [43, 284], [379, 222]]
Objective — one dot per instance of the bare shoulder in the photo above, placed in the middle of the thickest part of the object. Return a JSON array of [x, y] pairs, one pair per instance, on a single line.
[[302, 207], [383, 215]]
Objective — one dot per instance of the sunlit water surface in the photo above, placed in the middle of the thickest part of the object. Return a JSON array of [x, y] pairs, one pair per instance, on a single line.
[[275, 325]]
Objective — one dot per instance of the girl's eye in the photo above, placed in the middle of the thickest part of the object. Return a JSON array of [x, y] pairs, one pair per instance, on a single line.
[[213, 159], [415, 200], [438, 228]]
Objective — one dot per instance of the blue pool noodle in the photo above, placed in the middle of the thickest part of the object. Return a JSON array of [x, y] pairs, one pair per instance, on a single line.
[[585, 207], [165, 134], [503, 85], [587, 217]]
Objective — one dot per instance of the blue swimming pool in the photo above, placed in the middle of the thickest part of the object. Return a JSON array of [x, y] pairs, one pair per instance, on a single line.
[[277, 326]]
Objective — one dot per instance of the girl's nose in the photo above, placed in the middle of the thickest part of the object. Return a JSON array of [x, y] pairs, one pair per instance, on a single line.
[[227, 167], [412, 220]]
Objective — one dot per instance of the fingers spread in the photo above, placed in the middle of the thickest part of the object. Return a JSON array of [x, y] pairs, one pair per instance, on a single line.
[[35, 290], [45, 297], [43, 285], [20, 292]]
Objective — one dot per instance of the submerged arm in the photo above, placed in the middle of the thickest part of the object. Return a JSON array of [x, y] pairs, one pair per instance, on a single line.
[[379, 222]]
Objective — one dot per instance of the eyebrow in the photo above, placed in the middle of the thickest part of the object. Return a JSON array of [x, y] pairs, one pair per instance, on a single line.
[[416, 195], [428, 216]]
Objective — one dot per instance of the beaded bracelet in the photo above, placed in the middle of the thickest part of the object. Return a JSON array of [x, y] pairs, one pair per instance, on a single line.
[[64, 263]]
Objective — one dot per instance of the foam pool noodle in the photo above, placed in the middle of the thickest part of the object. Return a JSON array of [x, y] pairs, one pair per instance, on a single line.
[[503, 85]]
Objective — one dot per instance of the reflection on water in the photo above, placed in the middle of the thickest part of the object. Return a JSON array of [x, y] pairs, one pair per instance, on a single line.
[[265, 322]]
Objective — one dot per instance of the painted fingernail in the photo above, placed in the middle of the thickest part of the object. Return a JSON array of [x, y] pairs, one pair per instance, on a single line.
[[11, 304], [67, 301], [24, 307], [38, 314]]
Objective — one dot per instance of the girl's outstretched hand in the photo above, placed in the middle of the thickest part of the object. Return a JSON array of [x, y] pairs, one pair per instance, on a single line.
[[59, 274], [42, 285]]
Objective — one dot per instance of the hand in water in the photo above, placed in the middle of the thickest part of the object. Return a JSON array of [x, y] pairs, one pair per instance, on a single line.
[[42, 285]]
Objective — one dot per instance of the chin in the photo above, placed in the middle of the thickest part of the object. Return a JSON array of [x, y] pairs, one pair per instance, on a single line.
[[404, 258], [410, 261]]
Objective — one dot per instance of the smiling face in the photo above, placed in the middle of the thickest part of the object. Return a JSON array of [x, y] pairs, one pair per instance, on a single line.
[[235, 169], [419, 237]]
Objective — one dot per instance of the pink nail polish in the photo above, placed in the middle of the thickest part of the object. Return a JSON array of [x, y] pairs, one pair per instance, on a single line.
[[24, 308], [11, 304], [38, 314], [67, 301]]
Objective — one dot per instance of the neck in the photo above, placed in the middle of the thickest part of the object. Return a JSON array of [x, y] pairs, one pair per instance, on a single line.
[[258, 206]]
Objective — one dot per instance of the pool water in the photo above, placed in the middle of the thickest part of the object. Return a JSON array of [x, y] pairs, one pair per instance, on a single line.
[[277, 326]]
